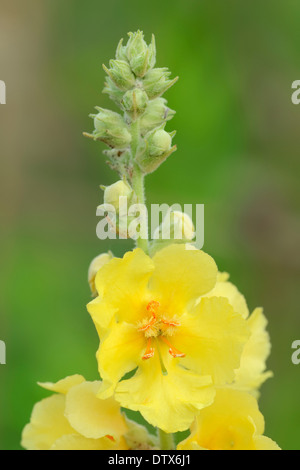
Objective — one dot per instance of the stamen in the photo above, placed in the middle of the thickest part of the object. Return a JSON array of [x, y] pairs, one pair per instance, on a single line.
[[173, 351], [170, 322], [110, 437], [149, 351], [148, 325], [152, 307]]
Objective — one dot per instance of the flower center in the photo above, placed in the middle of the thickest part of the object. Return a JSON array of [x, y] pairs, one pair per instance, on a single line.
[[157, 326]]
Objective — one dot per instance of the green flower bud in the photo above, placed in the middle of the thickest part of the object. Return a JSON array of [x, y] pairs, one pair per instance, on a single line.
[[156, 82], [121, 51], [119, 189], [121, 74], [111, 129], [156, 113], [113, 91], [135, 102], [141, 57], [159, 142]]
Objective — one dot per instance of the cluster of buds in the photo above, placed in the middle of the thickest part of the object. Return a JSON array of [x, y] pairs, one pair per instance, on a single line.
[[136, 135]]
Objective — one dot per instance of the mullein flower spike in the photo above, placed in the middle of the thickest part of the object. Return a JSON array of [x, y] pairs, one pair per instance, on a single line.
[[136, 86], [164, 313]]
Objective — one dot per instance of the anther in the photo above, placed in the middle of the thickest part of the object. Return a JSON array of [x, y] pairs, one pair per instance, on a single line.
[[149, 351], [173, 351]]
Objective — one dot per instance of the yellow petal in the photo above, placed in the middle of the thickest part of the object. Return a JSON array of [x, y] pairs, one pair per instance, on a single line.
[[182, 275], [121, 285], [170, 401], [230, 423], [64, 385], [120, 352], [212, 337], [92, 417], [47, 424], [76, 442], [226, 289], [251, 373], [102, 313], [189, 445], [265, 443]]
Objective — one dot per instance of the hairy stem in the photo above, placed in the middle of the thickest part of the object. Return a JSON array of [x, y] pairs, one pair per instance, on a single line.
[[138, 181]]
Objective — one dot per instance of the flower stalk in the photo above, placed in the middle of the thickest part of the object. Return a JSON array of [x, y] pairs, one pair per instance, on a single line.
[[166, 440]]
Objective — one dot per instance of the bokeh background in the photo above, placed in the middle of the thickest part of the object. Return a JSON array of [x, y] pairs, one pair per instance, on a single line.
[[238, 153]]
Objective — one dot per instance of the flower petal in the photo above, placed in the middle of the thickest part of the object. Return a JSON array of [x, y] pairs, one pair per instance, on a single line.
[[265, 443], [91, 417], [64, 385], [170, 401], [226, 289], [230, 423], [120, 352], [121, 284], [76, 442], [251, 373], [47, 424], [182, 275], [212, 337]]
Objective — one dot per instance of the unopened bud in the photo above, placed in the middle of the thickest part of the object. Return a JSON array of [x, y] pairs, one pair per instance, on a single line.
[[135, 102], [95, 266], [156, 113], [157, 81], [113, 193], [141, 56], [159, 142], [111, 129], [176, 226], [121, 74]]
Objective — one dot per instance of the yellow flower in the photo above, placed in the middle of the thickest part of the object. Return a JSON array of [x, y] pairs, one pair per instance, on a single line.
[[252, 371], [75, 419], [232, 422], [147, 319]]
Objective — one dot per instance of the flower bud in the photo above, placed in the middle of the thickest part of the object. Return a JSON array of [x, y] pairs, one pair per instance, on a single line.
[[135, 102], [113, 193], [121, 51], [156, 113], [95, 265], [156, 82], [113, 91], [180, 226], [141, 57], [111, 129], [177, 227], [159, 142], [121, 74]]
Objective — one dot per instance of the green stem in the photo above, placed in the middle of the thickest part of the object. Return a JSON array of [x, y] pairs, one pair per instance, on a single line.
[[138, 179], [166, 441]]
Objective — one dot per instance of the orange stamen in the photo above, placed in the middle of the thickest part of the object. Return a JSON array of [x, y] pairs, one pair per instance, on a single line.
[[110, 437], [173, 351], [152, 307], [170, 322], [149, 351], [148, 325]]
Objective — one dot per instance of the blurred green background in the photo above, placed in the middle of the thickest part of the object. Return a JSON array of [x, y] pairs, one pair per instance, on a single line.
[[238, 153]]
